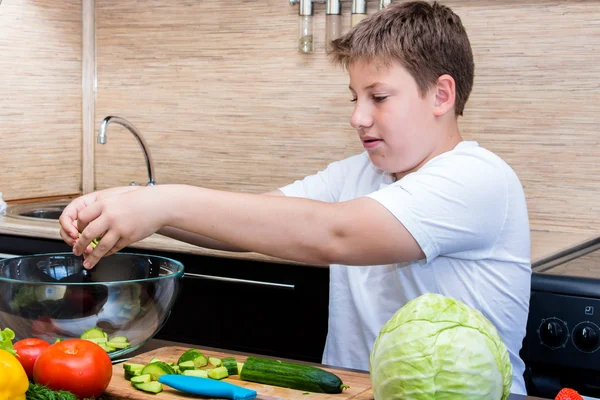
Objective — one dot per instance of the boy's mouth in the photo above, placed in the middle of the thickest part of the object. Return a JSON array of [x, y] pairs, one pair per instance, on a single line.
[[369, 143]]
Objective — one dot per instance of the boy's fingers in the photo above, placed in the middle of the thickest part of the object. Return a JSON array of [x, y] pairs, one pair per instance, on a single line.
[[102, 248], [66, 237]]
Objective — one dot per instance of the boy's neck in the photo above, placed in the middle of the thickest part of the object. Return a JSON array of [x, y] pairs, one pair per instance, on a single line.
[[449, 139]]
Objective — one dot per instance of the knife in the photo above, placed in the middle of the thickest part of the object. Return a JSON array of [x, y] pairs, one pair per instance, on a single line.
[[207, 387]]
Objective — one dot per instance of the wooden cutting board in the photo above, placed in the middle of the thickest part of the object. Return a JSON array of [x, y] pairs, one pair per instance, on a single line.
[[120, 388]]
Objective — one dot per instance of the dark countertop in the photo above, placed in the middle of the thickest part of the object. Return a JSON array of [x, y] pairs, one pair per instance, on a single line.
[[157, 343]]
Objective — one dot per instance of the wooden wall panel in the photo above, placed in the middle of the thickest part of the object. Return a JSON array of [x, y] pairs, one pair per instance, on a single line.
[[40, 98], [225, 100]]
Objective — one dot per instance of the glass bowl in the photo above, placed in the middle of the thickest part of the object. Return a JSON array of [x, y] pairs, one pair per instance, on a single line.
[[51, 296]]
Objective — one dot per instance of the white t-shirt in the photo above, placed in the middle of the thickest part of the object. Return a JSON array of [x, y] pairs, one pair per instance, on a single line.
[[466, 209]]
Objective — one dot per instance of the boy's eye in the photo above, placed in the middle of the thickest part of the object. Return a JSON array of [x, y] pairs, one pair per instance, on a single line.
[[353, 101], [379, 99]]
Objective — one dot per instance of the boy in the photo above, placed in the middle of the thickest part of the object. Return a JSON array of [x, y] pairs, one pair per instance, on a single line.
[[419, 211]]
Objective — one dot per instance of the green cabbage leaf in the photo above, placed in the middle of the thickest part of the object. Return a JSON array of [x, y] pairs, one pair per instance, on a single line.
[[436, 347]]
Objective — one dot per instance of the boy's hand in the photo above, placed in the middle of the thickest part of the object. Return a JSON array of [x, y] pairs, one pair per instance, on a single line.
[[68, 218], [119, 219]]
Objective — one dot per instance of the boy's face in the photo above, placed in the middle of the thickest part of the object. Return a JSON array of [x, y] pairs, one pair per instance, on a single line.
[[394, 122]]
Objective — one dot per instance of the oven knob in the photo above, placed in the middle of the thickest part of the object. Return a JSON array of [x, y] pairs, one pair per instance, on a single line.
[[553, 333], [585, 336]]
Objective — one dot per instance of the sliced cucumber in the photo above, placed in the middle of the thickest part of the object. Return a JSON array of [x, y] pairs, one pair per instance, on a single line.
[[141, 378], [131, 374], [218, 373], [154, 359], [231, 365], [93, 333], [106, 348], [120, 339], [199, 373], [240, 366], [117, 345], [98, 340], [194, 355], [186, 365], [150, 387], [132, 370], [133, 366], [156, 369], [215, 362]]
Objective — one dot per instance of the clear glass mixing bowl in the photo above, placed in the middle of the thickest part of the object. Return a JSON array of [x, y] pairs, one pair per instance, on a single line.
[[51, 296]]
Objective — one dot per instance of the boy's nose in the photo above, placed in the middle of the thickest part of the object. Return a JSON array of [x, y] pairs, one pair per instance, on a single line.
[[360, 117]]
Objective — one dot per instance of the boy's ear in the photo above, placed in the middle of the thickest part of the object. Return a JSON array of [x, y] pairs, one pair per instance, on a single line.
[[444, 95]]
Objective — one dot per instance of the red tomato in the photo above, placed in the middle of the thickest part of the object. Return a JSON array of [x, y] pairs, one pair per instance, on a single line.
[[28, 351], [78, 366]]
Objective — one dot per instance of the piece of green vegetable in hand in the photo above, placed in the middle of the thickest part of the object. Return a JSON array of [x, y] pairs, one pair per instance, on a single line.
[[436, 346], [94, 242], [291, 375]]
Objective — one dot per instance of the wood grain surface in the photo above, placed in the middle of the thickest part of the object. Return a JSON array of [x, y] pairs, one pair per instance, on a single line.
[[40, 98], [226, 101], [120, 388]]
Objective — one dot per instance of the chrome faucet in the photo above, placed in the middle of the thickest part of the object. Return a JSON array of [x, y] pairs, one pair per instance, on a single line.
[[139, 138]]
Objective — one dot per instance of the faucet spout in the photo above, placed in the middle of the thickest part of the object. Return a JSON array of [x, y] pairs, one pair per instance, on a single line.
[[138, 136]]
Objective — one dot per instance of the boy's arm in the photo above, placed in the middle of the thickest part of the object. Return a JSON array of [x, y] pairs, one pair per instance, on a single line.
[[203, 241], [355, 232]]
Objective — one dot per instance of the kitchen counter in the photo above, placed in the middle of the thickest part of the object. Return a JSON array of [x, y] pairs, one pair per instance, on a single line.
[[154, 344], [543, 243]]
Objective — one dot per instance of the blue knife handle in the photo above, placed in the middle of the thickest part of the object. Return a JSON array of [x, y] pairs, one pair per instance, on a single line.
[[207, 387]]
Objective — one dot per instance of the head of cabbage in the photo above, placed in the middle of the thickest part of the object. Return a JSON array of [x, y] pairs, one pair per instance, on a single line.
[[436, 347]]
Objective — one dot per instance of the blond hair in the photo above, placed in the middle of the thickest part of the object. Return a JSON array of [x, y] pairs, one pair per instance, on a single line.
[[428, 40]]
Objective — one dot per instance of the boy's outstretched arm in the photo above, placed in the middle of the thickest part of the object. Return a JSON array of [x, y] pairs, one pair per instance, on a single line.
[[355, 232], [203, 241]]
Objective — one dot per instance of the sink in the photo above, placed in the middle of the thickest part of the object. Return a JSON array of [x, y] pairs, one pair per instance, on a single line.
[[46, 210]]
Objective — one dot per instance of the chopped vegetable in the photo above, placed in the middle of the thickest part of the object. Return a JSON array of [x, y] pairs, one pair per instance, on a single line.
[[194, 355], [150, 387], [199, 373], [215, 362], [231, 365], [218, 373], [156, 369], [101, 338], [94, 242]]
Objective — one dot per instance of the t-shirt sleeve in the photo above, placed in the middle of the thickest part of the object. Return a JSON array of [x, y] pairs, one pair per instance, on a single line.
[[325, 185], [454, 207]]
